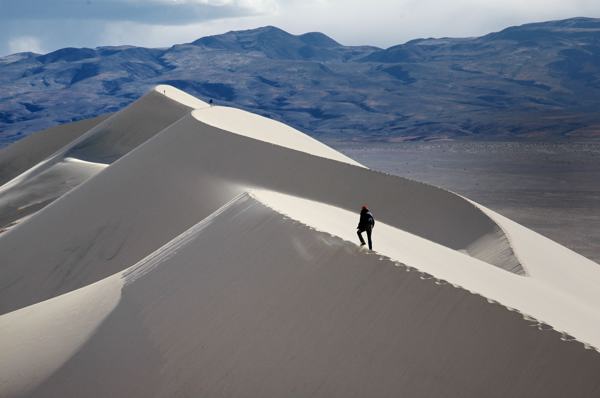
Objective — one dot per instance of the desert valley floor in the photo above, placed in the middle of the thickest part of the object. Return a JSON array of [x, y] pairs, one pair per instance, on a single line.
[[552, 188]]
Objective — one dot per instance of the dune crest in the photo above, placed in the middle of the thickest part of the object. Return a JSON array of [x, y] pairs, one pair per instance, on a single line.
[[261, 128], [102, 144], [215, 253]]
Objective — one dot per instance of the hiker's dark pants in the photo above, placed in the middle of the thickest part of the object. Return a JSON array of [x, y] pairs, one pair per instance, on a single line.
[[362, 241]]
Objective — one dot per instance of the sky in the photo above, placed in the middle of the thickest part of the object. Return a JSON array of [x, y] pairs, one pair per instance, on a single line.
[[46, 25]]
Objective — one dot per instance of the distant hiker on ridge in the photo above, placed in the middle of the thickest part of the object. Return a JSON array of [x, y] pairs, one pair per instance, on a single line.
[[366, 223]]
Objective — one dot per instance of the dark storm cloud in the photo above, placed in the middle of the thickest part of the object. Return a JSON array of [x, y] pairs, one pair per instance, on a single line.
[[151, 12], [46, 25]]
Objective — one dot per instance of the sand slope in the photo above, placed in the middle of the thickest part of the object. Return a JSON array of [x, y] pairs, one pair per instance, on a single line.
[[211, 252], [102, 144], [34, 148], [37, 340], [42, 188], [294, 312], [181, 176]]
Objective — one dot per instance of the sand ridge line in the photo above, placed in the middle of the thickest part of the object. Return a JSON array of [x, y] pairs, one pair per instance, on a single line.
[[154, 259], [475, 287]]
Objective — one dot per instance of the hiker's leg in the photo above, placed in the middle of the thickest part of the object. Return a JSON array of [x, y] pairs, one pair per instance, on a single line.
[[369, 238], [359, 233]]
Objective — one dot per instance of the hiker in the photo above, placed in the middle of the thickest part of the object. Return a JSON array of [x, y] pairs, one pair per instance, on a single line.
[[366, 223]]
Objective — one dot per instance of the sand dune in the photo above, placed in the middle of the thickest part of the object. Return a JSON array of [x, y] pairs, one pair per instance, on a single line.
[[214, 255], [51, 332], [296, 312], [545, 294], [42, 188], [260, 128], [104, 143], [34, 148], [181, 176]]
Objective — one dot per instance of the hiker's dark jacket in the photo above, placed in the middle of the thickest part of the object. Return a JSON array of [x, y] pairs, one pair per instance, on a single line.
[[366, 220]]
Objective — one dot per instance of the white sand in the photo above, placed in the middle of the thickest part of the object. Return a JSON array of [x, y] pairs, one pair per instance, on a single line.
[[224, 296], [261, 128], [290, 309], [554, 265], [570, 306], [37, 340], [180, 96], [102, 144], [18, 198], [31, 150]]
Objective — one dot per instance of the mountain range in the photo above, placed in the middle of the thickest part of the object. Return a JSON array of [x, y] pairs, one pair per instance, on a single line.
[[537, 81]]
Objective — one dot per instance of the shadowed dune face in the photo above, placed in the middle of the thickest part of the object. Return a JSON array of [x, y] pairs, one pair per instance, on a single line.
[[421, 209], [104, 143], [33, 149], [296, 312], [38, 332], [41, 189], [206, 288], [129, 129], [181, 176]]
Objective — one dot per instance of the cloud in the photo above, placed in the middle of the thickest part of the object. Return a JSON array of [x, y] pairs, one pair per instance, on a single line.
[[388, 22], [89, 23], [153, 23], [24, 44], [144, 11]]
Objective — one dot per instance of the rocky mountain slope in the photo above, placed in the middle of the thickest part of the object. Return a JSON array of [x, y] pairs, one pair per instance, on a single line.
[[536, 81]]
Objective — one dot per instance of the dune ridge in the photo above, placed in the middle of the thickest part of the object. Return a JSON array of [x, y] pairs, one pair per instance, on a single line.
[[217, 249], [34, 148], [307, 309], [568, 307], [102, 144], [206, 167]]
